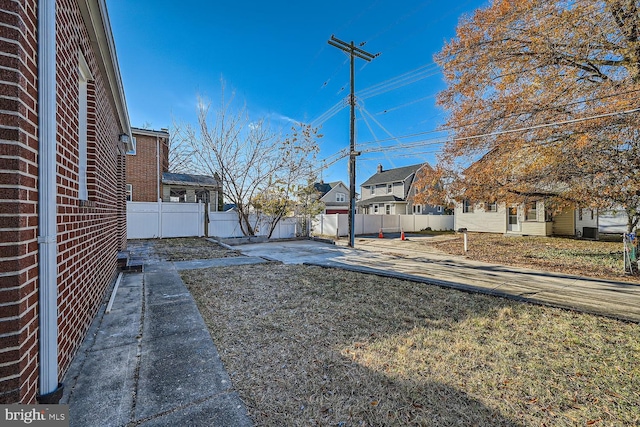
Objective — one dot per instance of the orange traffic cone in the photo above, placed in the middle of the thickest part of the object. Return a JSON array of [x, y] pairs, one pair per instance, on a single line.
[[380, 236], [402, 235]]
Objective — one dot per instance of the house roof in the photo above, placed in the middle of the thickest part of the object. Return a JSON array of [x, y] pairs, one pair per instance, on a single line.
[[150, 132], [380, 199], [189, 180], [324, 187], [392, 175]]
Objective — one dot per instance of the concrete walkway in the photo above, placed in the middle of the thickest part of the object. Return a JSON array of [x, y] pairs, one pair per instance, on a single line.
[[411, 261], [151, 360]]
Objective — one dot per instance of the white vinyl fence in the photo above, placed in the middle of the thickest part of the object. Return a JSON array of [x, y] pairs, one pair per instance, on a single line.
[[226, 225], [338, 224], [148, 220]]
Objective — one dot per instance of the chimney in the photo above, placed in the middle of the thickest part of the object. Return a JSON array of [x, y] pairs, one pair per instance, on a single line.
[[380, 168]]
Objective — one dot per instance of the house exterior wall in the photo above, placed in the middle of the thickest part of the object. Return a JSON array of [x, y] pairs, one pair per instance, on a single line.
[[89, 232], [564, 223], [18, 202], [332, 206], [585, 218], [533, 228], [480, 220], [145, 167]]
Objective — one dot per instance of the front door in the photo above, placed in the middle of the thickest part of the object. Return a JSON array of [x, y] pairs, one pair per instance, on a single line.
[[513, 223]]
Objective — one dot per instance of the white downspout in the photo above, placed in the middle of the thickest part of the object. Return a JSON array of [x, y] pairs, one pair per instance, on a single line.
[[47, 249], [158, 167]]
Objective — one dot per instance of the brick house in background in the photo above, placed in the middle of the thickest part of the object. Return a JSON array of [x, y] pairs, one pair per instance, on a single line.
[[149, 180], [64, 131], [146, 164]]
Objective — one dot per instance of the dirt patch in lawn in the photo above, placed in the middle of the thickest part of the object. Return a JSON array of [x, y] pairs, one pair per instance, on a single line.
[[312, 346], [601, 259], [190, 248]]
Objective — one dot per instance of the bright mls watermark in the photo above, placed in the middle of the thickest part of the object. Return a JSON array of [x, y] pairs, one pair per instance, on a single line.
[[34, 415]]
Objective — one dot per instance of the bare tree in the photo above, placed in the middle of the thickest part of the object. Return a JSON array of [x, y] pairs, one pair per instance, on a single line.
[[251, 159]]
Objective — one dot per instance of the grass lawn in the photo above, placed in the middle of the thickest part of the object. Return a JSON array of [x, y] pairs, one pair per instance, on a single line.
[[311, 346], [601, 259]]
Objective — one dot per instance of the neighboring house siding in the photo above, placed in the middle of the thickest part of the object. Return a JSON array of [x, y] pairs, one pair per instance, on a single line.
[[564, 223], [145, 167], [18, 203], [480, 220], [90, 233]]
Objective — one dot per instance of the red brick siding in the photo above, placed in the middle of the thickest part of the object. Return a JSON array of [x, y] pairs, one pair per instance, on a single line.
[[142, 168], [88, 236], [18, 202]]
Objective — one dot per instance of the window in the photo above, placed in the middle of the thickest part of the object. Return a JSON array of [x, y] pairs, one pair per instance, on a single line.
[[532, 211], [417, 209], [491, 207], [341, 197], [591, 213], [439, 209], [467, 207], [373, 189], [387, 209], [84, 75], [375, 209], [129, 192], [178, 195], [580, 214], [389, 188], [548, 215]]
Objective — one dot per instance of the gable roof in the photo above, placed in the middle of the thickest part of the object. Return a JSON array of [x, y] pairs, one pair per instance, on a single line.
[[324, 187], [393, 175], [190, 180]]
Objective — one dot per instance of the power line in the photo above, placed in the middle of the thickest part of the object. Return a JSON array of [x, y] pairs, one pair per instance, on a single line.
[[436, 141]]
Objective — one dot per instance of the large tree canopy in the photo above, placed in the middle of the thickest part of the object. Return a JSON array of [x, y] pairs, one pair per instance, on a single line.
[[545, 93]]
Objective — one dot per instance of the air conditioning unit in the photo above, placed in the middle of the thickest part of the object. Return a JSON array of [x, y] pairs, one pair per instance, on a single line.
[[590, 233]]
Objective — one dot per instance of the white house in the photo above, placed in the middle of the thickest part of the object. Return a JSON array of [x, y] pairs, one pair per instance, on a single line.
[[334, 195], [388, 193], [531, 219]]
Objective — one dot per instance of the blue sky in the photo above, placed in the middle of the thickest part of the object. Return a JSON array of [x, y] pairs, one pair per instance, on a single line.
[[275, 57]]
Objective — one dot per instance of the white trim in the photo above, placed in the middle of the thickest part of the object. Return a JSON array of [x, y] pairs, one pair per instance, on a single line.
[[96, 19]]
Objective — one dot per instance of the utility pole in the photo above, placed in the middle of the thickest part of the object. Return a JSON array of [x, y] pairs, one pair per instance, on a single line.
[[354, 52]]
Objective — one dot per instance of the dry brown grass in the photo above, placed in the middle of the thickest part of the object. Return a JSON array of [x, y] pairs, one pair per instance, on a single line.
[[599, 259], [311, 346], [190, 248]]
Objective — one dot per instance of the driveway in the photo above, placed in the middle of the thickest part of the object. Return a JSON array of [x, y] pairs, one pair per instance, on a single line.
[[411, 261]]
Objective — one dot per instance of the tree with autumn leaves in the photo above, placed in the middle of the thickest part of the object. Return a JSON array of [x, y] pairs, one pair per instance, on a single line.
[[543, 103]]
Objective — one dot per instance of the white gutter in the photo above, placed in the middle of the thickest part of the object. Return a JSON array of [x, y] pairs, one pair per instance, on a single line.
[[47, 250]]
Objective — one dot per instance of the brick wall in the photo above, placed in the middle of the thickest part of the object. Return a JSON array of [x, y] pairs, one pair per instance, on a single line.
[[89, 233], [18, 202], [142, 168]]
